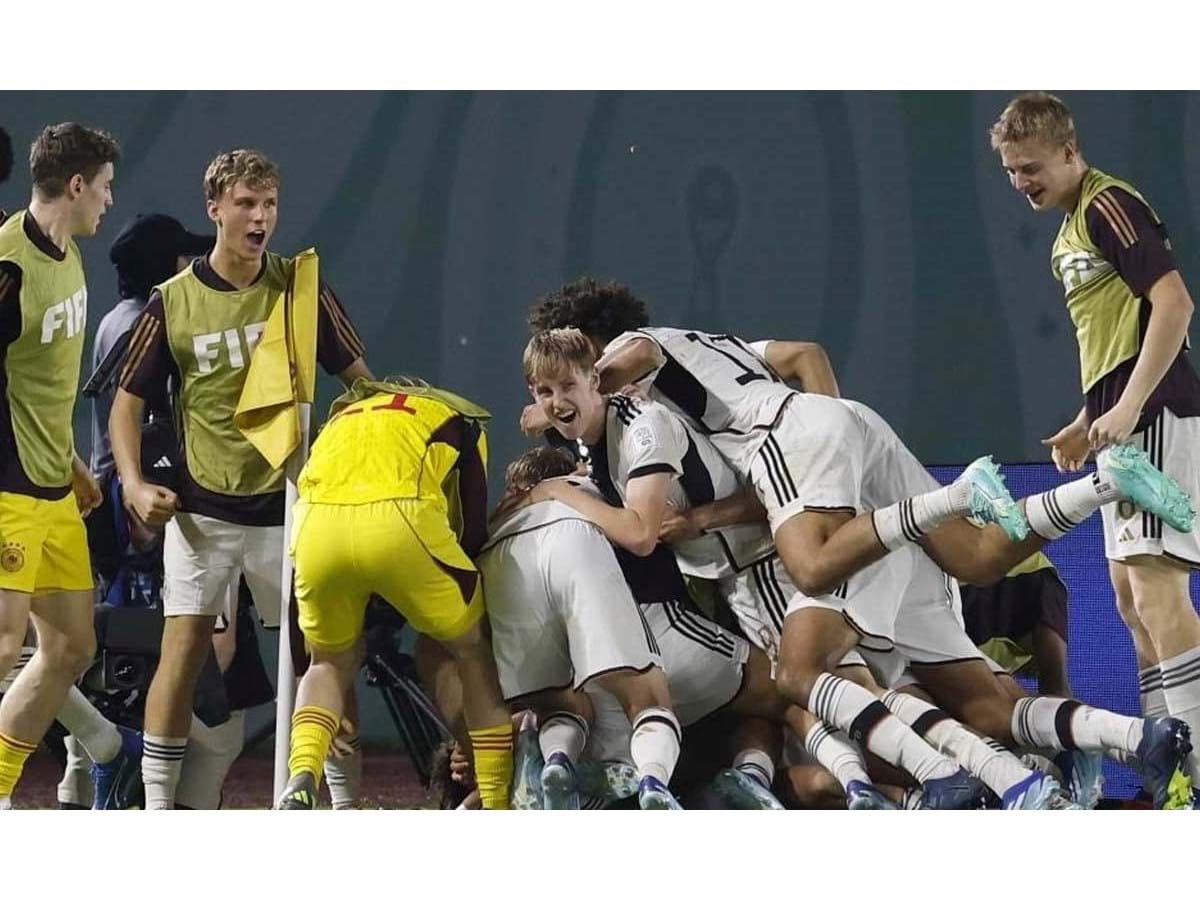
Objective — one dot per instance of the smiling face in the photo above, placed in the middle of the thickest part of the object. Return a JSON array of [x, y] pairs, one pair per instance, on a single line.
[[571, 399], [245, 218], [1048, 176]]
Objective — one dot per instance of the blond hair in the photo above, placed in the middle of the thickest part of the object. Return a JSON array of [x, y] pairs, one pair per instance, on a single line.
[[552, 353], [535, 466], [250, 167], [1034, 116]]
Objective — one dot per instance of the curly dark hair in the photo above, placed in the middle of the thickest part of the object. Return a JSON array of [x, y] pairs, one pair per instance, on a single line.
[[600, 310]]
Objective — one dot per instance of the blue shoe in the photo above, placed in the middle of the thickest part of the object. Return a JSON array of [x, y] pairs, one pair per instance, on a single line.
[[608, 780], [1038, 791], [962, 790], [559, 790], [741, 791], [990, 499], [861, 795], [1083, 774], [117, 784], [527, 772], [653, 794], [1161, 753], [1149, 489]]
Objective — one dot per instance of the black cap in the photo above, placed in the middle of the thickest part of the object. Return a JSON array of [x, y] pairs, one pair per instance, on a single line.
[[146, 250]]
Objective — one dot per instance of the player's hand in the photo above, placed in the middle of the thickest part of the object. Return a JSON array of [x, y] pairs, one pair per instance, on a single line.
[[1069, 447], [87, 492], [534, 422], [677, 526], [547, 490], [460, 766], [153, 504], [1114, 427]]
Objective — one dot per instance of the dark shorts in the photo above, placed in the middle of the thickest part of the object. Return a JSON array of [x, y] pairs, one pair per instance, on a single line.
[[1012, 607]]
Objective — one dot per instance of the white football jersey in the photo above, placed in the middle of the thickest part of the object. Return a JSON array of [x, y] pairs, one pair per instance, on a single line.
[[716, 381], [642, 437]]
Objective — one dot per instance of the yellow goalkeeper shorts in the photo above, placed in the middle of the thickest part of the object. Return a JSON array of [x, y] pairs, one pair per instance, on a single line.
[[43, 545], [403, 550]]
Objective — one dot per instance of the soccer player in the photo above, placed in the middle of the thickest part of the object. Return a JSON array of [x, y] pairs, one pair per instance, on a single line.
[[868, 537], [45, 571], [645, 461], [198, 330], [395, 465], [1131, 311], [563, 617]]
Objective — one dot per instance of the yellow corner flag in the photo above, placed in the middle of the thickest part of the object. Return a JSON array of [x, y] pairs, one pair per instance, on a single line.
[[283, 367]]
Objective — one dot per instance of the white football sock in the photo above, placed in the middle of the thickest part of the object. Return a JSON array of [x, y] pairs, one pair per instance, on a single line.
[[98, 736], [837, 754], [756, 764], [1053, 513], [1067, 724], [1181, 689], [855, 711], [563, 732], [162, 759], [990, 762], [654, 745], [911, 519]]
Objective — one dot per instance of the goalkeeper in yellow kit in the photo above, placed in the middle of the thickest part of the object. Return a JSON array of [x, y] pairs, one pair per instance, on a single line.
[[393, 501]]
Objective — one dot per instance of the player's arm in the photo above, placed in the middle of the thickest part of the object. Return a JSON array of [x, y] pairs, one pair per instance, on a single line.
[[1137, 247], [629, 362], [339, 348], [802, 361], [742, 508], [472, 488], [634, 526], [146, 366]]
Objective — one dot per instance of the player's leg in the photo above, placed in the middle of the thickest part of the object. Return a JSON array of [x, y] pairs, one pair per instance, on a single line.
[[343, 768], [186, 644], [814, 642], [1164, 607], [14, 623], [654, 745], [66, 646], [1150, 690]]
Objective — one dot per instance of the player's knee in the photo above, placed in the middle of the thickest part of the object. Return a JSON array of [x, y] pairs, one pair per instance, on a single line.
[[796, 679], [10, 652], [71, 654], [991, 715], [1127, 609]]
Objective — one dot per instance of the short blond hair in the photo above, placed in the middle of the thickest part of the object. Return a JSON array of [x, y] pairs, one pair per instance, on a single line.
[[552, 353], [1034, 116], [534, 466], [250, 167]]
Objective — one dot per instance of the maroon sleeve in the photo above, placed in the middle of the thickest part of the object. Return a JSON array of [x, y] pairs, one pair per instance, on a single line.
[[10, 302], [148, 362], [472, 492], [10, 282], [1124, 230], [338, 344]]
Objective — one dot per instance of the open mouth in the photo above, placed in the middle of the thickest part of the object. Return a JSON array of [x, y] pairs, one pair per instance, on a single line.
[[1036, 196], [257, 238], [566, 418]]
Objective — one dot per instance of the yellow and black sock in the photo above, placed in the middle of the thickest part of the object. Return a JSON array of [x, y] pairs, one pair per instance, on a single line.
[[13, 754], [493, 764], [313, 730]]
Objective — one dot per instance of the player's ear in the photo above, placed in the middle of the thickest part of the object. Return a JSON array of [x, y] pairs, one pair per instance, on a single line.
[[75, 185], [210, 207], [595, 379], [1070, 151]]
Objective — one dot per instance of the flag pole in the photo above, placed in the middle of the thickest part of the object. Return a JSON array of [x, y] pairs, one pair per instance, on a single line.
[[285, 683]]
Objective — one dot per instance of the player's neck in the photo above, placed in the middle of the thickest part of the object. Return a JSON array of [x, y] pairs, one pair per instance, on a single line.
[[1070, 200], [53, 218], [593, 431], [239, 271]]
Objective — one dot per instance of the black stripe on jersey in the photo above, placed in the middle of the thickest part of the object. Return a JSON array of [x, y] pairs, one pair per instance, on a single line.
[[683, 389], [763, 575], [781, 481], [696, 632], [650, 641], [624, 407], [650, 469], [696, 481]]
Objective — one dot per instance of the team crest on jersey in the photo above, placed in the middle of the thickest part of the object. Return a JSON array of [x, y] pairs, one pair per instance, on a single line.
[[643, 436], [12, 557]]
